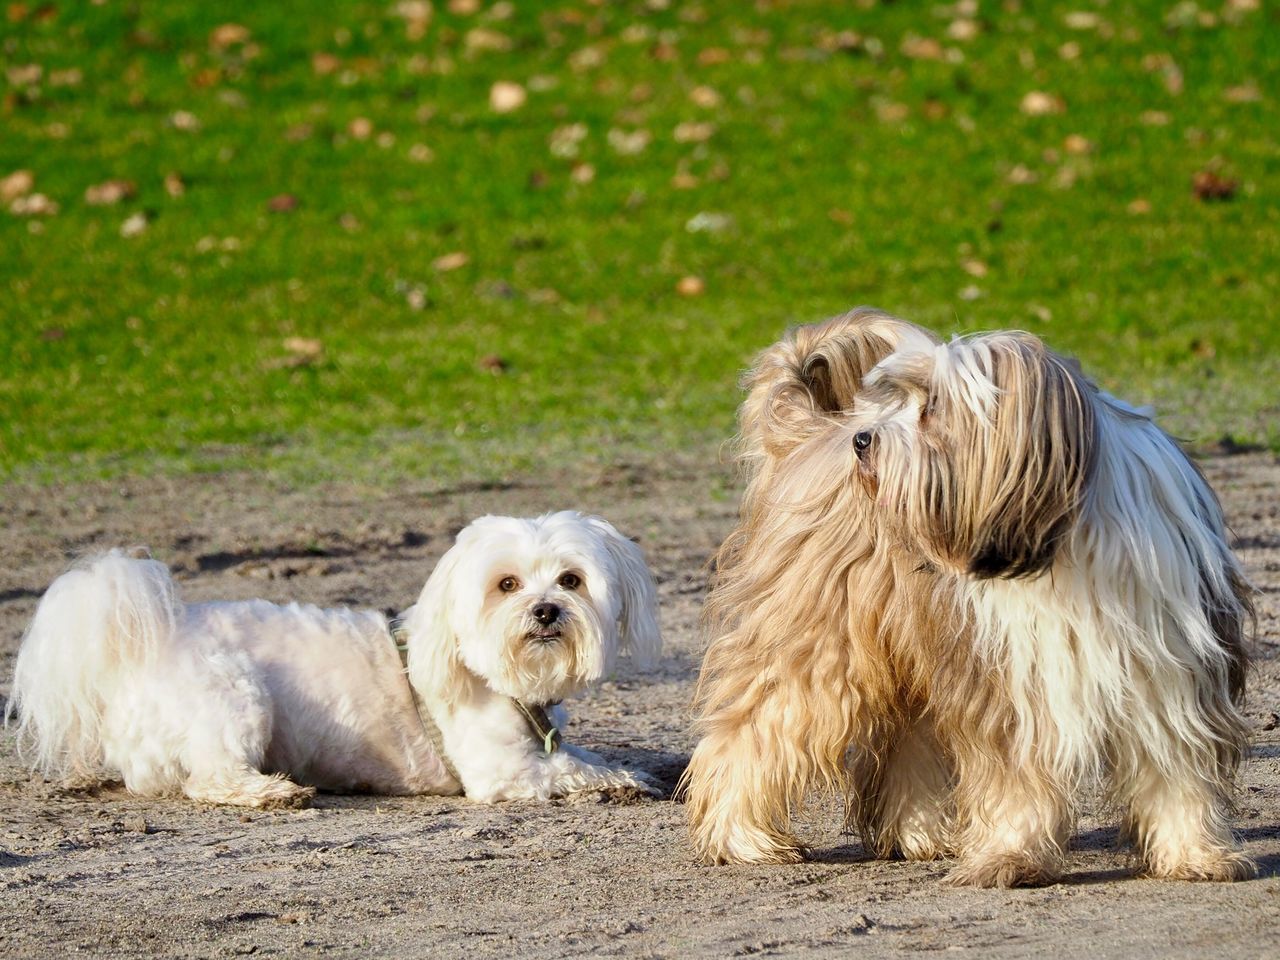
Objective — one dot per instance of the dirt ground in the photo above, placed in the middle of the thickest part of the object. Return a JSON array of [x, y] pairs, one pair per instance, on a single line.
[[109, 875]]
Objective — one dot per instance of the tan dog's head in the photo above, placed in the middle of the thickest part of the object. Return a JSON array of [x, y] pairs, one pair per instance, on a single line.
[[980, 451]]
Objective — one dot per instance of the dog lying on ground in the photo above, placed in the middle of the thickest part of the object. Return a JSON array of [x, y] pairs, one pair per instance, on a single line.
[[256, 704], [966, 584]]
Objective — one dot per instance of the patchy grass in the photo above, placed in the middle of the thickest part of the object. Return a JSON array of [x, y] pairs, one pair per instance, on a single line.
[[345, 262]]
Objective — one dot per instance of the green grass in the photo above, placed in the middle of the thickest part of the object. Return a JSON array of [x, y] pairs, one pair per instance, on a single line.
[[848, 170]]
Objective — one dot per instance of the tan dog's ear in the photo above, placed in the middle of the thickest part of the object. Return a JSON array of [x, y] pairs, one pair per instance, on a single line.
[[638, 631], [814, 372]]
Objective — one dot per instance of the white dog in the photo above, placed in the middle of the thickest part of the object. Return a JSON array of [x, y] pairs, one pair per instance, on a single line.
[[255, 704]]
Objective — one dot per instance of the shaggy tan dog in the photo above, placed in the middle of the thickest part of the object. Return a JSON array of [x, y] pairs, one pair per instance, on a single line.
[[966, 586]]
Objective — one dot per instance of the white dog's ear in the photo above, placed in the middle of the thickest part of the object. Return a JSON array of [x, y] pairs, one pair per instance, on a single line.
[[435, 662], [638, 619]]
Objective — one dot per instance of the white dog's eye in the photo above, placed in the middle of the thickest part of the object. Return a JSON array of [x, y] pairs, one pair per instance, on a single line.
[[570, 581], [507, 584]]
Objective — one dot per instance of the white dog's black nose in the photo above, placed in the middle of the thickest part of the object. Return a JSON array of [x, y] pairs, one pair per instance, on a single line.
[[546, 613]]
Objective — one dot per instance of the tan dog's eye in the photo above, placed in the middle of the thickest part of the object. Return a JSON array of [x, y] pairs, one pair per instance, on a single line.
[[507, 584], [570, 581]]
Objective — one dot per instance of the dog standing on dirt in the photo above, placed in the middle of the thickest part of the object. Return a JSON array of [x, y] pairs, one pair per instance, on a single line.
[[966, 584], [258, 705]]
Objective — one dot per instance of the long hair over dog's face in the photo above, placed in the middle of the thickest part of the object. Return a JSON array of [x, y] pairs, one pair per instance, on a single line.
[[978, 452]]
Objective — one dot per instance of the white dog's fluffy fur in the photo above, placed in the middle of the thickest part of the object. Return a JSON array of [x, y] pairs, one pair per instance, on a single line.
[[257, 704], [967, 584]]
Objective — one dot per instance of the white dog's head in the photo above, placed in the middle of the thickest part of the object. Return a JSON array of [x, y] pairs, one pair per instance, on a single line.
[[536, 608]]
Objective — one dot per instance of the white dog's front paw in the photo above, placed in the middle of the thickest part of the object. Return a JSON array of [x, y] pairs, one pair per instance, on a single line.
[[620, 786]]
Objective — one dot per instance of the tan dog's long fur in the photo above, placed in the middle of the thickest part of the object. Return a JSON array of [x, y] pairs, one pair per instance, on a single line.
[[965, 585]]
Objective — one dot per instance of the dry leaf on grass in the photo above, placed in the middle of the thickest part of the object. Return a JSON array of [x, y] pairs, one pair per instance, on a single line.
[[451, 261], [1209, 185], [1076, 144], [34, 205], [109, 192], [921, 48], [693, 132], [227, 35], [705, 97], [184, 120], [134, 225], [505, 96], [324, 64], [566, 141], [17, 184], [628, 142], [1037, 103], [481, 40], [690, 286]]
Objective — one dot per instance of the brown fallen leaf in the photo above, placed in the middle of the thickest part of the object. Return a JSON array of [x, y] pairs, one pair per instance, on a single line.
[[17, 184], [34, 205], [481, 40], [324, 64], [693, 132], [282, 203], [690, 286], [134, 225], [1203, 349], [361, 128], [1139, 207], [1076, 144], [451, 261], [227, 35], [705, 97], [109, 192], [174, 185], [1037, 103], [302, 352], [1245, 93], [628, 143], [713, 55], [304, 346], [493, 363], [1209, 185], [417, 17], [921, 48], [505, 96]]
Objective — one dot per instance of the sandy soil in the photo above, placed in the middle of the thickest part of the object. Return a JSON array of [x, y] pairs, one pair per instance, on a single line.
[[110, 875]]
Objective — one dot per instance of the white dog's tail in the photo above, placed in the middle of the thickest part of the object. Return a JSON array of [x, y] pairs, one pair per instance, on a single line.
[[108, 614]]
